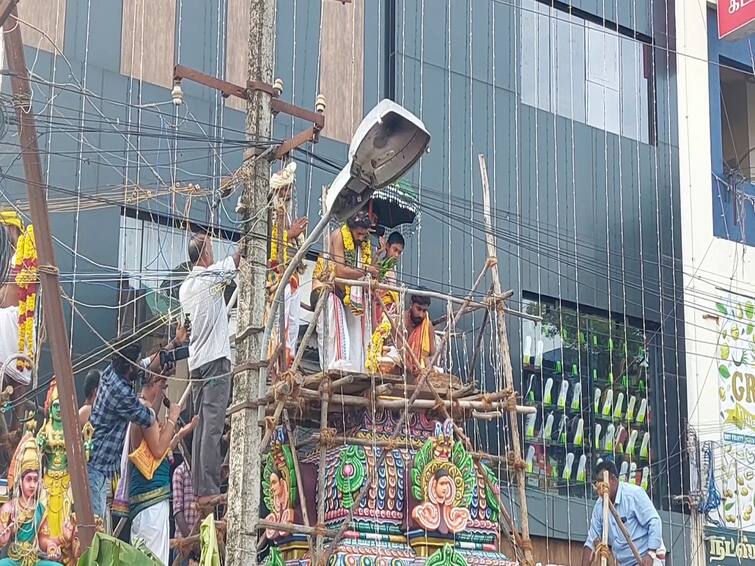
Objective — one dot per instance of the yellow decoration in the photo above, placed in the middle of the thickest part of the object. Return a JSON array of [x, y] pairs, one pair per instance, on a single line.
[[11, 218], [377, 342], [352, 260], [26, 280]]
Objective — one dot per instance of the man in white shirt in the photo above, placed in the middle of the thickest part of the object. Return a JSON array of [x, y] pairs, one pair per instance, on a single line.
[[201, 297]]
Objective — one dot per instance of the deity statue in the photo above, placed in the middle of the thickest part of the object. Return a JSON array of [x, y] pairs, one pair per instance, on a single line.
[[23, 519], [56, 479], [279, 486]]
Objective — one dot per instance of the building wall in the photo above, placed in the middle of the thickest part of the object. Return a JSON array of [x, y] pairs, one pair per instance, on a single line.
[[716, 268], [583, 214]]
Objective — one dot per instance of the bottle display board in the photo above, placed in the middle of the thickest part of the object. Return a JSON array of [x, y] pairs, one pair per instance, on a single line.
[[590, 378]]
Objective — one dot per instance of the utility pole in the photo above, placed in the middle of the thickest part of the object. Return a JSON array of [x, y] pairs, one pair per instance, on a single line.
[[48, 271], [245, 458], [508, 372]]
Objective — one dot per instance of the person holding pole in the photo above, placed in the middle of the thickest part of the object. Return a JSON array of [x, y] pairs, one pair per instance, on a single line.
[[640, 532]]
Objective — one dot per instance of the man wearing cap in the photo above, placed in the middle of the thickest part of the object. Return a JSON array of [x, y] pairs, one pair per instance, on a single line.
[[343, 329], [639, 517]]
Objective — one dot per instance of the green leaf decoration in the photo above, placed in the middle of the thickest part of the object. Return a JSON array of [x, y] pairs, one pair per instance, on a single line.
[[749, 310], [729, 505], [490, 496], [446, 556], [275, 557], [350, 474], [724, 371], [293, 490], [267, 495], [463, 461], [421, 459], [722, 308]]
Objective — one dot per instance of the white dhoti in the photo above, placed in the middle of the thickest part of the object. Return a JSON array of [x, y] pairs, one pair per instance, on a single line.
[[342, 337], [153, 526], [293, 317], [9, 345]]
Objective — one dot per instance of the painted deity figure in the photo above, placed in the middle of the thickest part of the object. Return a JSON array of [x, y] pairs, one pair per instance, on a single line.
[[56, 480], [279, 486], [24, 525]]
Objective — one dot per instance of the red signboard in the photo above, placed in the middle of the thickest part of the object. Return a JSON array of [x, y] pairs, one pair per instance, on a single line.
[[736, 18]]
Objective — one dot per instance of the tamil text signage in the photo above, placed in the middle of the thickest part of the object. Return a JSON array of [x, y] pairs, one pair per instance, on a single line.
[[728, 548], [736, 18]]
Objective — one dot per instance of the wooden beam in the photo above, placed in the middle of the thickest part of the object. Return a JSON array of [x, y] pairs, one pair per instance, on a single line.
[[310, 134], [226, 88], [5, 9], [316, 118]]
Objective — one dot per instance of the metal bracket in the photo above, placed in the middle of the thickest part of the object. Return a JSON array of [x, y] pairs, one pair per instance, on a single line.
[[277, 106]]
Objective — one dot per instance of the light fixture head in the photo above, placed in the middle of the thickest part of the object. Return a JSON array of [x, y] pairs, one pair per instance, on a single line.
[[387, 143]]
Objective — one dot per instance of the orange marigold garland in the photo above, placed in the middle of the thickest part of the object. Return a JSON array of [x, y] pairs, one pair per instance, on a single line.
[[26, 279]]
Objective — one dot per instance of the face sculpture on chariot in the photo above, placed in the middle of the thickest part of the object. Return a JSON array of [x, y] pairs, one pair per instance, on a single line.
[[24, 526], [56, 481]]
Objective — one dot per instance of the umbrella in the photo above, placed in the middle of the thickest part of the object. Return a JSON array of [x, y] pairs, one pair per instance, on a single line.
[[395, 205]]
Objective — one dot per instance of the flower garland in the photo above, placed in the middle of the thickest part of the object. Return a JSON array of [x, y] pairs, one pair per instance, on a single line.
[[26, 279], [377, 342], [350, 255]]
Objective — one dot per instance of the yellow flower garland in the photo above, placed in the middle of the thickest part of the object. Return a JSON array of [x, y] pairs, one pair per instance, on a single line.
[[349, 251], [26, 279]]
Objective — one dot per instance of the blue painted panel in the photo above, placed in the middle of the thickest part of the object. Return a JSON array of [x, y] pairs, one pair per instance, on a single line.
[[724, 225]]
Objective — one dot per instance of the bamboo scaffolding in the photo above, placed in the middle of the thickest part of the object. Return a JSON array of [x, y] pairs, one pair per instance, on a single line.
[[383, 443], [402, 420], [441, 404], [295, 366], [299, 482], [417, 404]]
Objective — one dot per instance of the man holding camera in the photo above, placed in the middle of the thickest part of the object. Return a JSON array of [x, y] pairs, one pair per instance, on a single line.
[[116, 405]]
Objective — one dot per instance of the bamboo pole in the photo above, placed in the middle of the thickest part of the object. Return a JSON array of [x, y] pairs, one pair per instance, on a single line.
[[293, 528], [320, 542], [299, 482], [295, 365], [419, 292], [477, 347], [508, 372], [623, 529], [402, 420], [606, 509]]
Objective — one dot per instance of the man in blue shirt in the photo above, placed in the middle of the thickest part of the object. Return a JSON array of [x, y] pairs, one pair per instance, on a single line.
[[640, 518], [116, 405]]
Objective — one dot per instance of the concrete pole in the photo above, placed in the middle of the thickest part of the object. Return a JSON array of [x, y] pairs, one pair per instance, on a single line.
[[48, 275], [508, 372], [245, 458]]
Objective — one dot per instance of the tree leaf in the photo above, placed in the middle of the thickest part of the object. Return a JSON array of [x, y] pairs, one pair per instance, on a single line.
[[724, 371], [722, 308]]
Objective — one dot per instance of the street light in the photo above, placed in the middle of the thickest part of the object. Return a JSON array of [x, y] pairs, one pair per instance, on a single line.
[[387, 143]]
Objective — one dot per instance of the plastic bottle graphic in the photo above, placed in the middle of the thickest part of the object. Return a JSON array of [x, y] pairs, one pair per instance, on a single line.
[[568, 466], [527, 350], [643, 411], [529, 428], [608, 404], [576, 396], [580, 432], [582, 468], [530, 461], [618, 407], [563, 392], [548, 392]]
